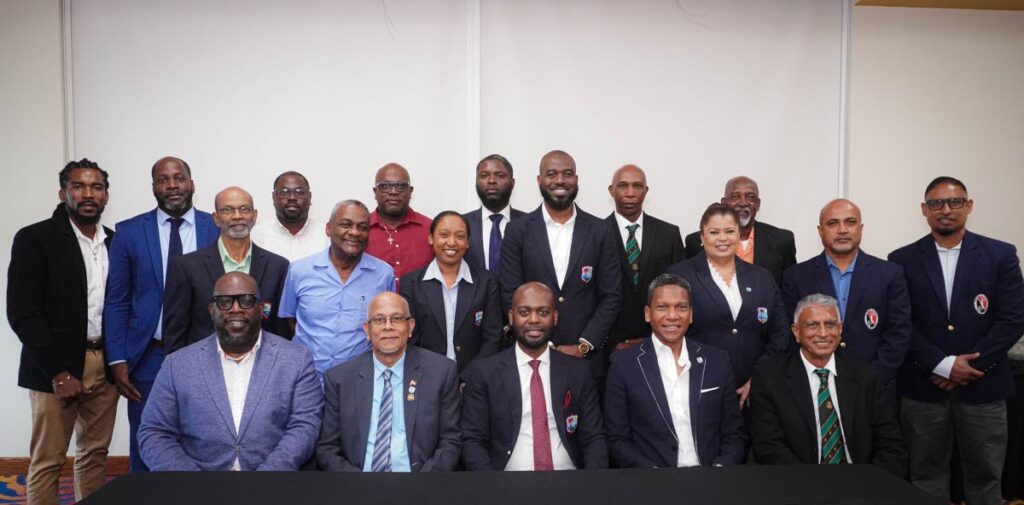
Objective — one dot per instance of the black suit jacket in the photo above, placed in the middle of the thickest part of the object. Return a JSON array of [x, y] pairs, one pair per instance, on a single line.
[[782, 415], [475, 253], [662, 247], [47, 300], [492, 410], [477, 315], [774, 248], [190, 280]]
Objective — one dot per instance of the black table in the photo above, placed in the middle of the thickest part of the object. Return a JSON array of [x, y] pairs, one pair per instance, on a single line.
[[808, 484]]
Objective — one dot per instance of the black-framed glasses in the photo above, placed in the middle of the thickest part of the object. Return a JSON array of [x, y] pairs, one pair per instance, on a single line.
[[225, 302], [287, 192], [244, 210], [938, 203], [380, 321], [387, 187]]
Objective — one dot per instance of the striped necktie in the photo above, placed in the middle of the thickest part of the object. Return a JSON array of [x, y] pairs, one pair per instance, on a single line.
[[833, 448], [633, 253], [382, 446]]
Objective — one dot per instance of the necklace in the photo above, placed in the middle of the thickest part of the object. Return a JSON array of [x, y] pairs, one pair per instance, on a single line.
[[391, 236]]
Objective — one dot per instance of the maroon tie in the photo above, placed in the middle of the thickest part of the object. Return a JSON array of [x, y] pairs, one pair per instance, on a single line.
[[541, 435]]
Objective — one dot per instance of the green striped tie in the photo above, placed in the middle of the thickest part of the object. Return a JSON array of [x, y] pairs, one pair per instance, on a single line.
[[833, 449], [633, 253]]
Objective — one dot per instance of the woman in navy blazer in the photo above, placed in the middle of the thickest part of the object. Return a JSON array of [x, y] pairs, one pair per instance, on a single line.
[[759, 328]]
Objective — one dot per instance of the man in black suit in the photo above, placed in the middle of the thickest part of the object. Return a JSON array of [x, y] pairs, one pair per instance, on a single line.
[[761, 243], [528, 408], [574, 254], [648, 246], [190, 278], [494, 184], [55, 294], [811, 406]]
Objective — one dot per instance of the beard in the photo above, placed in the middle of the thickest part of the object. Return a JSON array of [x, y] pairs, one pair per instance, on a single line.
[[532, 344], [497, 202], [557, 204], [236, 232], [177, 209], [241, 339], [73, 212]]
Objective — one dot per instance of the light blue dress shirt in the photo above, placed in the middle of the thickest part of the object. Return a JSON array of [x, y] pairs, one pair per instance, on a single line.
[[399, 448], [841, 282], [451, 298], [187, 232]]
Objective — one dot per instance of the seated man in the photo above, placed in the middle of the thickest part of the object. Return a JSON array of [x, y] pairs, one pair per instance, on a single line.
[[240, 399], [394, 409], [813, 395], [671, 401], [527, 408]]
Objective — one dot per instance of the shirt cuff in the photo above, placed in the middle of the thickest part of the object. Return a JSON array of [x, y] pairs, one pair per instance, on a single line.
[[112, 363], [945, 367], [587, 341]]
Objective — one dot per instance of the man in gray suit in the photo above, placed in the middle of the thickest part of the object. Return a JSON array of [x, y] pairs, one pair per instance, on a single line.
[[394, 409]]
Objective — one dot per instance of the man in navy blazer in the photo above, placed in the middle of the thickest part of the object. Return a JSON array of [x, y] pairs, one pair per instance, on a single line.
[[416, 427], [494, 183], [872, 293], [241, 399], [572, 252], [139, 255], [671, 401], [967, 309]]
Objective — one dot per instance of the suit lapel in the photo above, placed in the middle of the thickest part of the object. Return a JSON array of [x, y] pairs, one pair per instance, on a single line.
[[510, 380], [258, 265], [580, 236], [559, 387], [650, 241], [964, 269], [151, 231], [762, 243], [214, 265], [861, 275], [697, 364], [623, 258], [929, 258], [747, 287], [476, 230], [364, 400], [846, 387], [467, 290], [823, 277], [435, 301], [63, 223], [213, 376], [413, 376], [799, 387], [261, 369], [704, 277], [539, 237], [647, 360]]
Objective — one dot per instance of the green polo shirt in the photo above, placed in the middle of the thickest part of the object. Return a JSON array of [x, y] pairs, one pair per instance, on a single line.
[[230, 265]]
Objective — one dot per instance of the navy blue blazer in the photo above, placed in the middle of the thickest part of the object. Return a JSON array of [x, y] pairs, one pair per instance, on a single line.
[[986, 315], [877, 289], [760, 330], [639, 421], [475, 253], [589, 300], [492, 410]]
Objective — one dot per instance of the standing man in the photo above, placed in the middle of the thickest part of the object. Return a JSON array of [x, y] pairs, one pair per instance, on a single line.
[[191, 277], [326, 295], [138, 267], [398, 234], [648, 247], [872, 293], [494, 184], [55, 292], [571, 252], [760, 243], [294, 234], [967, 310]]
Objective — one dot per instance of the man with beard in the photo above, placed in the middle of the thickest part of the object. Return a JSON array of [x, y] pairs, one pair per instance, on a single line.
[[55, 293], [241, 399], [967, 310], [138, 267], [190, 278], [294, 234], [398, 234], [528, 408], [494, 184], [583, 252], [760, 243]]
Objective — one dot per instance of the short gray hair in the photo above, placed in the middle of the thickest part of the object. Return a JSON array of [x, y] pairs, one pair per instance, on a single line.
[[350, 201], [667, 280], [816, 299]]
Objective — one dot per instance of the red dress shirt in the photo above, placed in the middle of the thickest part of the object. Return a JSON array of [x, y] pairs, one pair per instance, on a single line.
[[405, 248]]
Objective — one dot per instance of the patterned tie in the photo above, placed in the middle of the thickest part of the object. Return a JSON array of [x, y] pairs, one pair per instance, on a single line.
[[833, 449], [382, 447], [633, 253], [539, 411], [174, 248], [494, 261]]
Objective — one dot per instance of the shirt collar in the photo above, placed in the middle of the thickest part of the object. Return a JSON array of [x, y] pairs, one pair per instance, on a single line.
[[522, 358], [830, 366], [189, 216], [832, 264], [97, 237], [506, 213], [954, 248], [310, 224], [396, 369], [434, 273], [251, 353], [549, 221], [661, 349], [224, 256], [623, 222]]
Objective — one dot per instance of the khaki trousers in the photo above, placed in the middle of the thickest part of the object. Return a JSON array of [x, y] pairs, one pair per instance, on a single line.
[[90, 417]]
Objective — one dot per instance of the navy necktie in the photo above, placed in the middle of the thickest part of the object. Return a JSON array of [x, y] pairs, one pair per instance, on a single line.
[[494, 261], [174, 244], [382, 445]]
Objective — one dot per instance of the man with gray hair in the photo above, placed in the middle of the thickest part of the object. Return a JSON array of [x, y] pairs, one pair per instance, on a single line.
[[326, 294], [814, 395]]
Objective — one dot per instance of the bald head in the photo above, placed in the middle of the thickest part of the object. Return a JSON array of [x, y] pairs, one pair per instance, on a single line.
[[388, 326], [234, 283], [840, 228], [629, 189], [235, 214], [232, 194], [557, 182], [388, 300], [839, 204], [741, 181], [533, 317], [171, 161], [392, 190], [392, 172], [557, 157]]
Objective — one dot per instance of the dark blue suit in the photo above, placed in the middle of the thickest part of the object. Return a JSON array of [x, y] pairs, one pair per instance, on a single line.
[[876, 285], [134, 298], [639, 421], [475, 253]]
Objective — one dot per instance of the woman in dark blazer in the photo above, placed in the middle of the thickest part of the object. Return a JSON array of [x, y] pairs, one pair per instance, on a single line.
[[455, 306], [736, 306]]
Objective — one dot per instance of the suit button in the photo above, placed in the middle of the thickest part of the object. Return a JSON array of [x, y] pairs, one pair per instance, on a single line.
[[735, 331], [950, 327], [509, 453], [458, 348], [561, 299], [842, 344]]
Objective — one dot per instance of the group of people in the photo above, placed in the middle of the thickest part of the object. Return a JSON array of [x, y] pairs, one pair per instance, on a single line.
[[506, 340]]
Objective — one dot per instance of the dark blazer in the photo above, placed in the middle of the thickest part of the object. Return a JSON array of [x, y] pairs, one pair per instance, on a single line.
[[475, 253], [662, 247], [477, 314], [47, 300], [782, 415], [774, 248], [190, 280], [877, 285], [492, 410], [639, 420], [987, 270], [589, 300], [431, 418], [747, 340]]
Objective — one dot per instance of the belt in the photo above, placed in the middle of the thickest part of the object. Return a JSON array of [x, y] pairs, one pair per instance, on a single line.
[[94, 345], [156, 344]]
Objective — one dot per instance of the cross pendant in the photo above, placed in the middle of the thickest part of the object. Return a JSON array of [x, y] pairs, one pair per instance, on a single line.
[[391, 240]]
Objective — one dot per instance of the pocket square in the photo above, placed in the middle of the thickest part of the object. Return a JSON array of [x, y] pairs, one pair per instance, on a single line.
[[708, 390]]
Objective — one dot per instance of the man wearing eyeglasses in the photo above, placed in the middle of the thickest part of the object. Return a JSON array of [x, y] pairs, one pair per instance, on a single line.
[[190, 278], [294, 234], [394, 409], [240, 399], [398, 234], [967, 310]]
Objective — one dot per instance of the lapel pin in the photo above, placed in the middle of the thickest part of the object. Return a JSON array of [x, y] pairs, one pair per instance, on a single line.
[[748, 289], [700, 360]]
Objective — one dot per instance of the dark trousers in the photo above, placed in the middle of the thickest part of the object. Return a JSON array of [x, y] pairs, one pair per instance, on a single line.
[[1013, 469], [142, 378]]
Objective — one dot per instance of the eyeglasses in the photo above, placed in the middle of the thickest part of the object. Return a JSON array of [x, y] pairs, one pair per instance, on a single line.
[[380, 321], [244, 210], [817, 325], [225, 302], [387, 187], [938, 203], [287, 192]]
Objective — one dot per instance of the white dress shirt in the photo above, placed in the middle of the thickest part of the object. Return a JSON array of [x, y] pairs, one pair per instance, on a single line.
[[677, 391], [622, 223], [560, 240], [814, 382], [94, 254], [522, 454], [948, 258], [486, 225], [237, 373], [271, 235], [187, 233], [731, 291], [451, 298]]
